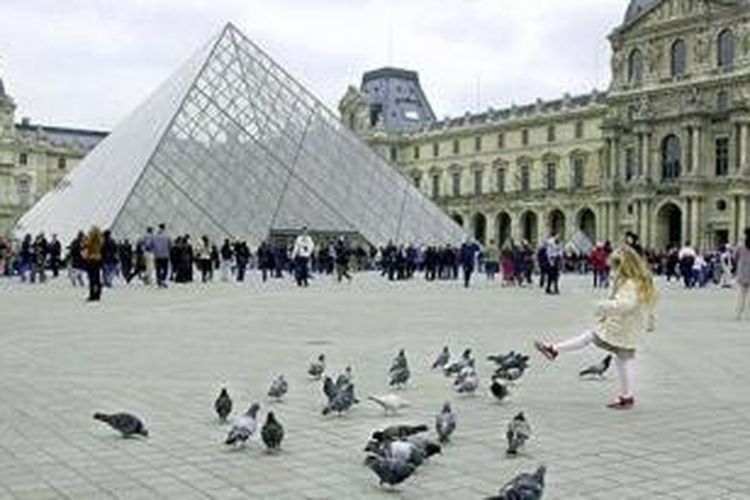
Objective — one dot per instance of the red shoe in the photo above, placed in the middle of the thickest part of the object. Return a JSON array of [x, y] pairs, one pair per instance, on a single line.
[[622, 403], [547, 350]]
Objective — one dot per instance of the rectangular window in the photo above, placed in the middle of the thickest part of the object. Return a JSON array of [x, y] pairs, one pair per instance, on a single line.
[[61, 163], [579, 130], [525, 178], [478, 143], [23, 159], [525, 137], [456, 178], [478, 182], [417, 181], [394, 154], [456, 147], [578, 173], [435, 150], [500, 140], [722, 156], [416, 152], [500, 180], [436, 186], [629, 164], [551, 133], [551, 176]]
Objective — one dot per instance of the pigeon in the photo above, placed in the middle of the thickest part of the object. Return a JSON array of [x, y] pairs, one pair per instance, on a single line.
[[345, 378], [425, 448], [279, 388], [524, 486], [509, 375], [244, 426], [126, 424], [442, 359], [598, 369], [389, 470], [455, 367], [329, 388], [398, 432], [445, 423], [399, 362], [498, 390], [469, 381], [223, 405], [317, 367], [399, 377], [518, 432], [341, 400], [391, 403], [510, 360], [272, 432]]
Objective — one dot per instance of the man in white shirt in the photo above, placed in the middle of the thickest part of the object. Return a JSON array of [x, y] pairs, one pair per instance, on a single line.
[[687, 258], [304, 246]]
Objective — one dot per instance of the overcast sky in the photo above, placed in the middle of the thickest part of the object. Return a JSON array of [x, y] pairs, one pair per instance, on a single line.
[[88, 63]]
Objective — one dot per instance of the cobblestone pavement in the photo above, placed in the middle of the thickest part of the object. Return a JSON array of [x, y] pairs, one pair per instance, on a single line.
[[164, 354]]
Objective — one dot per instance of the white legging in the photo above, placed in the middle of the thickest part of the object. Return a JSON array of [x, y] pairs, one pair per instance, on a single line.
[[625, 364]]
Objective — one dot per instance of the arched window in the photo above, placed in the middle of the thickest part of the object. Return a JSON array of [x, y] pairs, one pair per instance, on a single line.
[[725, 47], [670, 157], [679, 58], [635, 66]]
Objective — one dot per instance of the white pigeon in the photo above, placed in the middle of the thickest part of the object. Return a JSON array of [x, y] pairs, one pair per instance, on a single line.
[[391, 403]]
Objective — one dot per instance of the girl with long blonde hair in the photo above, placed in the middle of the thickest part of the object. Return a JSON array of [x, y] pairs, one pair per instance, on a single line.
[[621, 321]]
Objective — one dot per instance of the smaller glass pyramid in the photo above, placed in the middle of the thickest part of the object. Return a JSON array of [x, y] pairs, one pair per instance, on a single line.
[[231, 146]]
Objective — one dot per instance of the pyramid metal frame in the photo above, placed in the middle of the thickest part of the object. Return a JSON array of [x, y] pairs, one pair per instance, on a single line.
[[233, 146]]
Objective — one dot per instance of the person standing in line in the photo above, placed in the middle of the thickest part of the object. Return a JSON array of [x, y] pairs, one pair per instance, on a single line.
[[622, 319], [109, 259], [39, 259], [265, 260], [742, 274], [162, 247], [147, 246], [55, 253], [491, 260], [203, 258], [92, 255], [125, 256], [227, 255], [76, 262], [467, 256], [341, 255], [303, 248], [686, 257], [726, 261], [554, 264], [242, 258]]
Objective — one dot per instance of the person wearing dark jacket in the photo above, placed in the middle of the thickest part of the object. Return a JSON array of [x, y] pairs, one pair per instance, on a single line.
[[92, 255], [55, 253], [467, 257], [125, 256], [242, 257], [76, 263], [109, 259], [341, 252]]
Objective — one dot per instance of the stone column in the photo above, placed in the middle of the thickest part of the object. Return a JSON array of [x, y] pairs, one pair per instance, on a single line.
[[742, 221], [613, 226], [695, 143], [515, 226], [686, 222], [734, 219], [695, 224], [742, 164], [686, 161], [641, 155], [646, 237]]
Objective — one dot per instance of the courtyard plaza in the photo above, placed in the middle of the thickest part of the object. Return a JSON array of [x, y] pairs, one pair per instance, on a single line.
[[164, 355]]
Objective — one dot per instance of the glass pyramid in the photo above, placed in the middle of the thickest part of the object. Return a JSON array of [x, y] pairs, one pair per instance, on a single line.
[[232, 146]]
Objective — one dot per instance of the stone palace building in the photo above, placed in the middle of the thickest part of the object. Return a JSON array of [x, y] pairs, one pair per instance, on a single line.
[[34, 159], [663, 152]]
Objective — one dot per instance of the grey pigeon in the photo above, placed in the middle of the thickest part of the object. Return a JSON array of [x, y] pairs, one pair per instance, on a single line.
[[343, 399], [317, 368], [399, 362], [272, 432], [455, 367], [345, 378], [498, 389], [398, 432], [445, 423], [223, 405], [442, 359], [519, 431], [244, 426], [598, 369], [389, 470], [399, 377], [279, 388], [469, 381], [126, 424], [425, 447], [525, 486]]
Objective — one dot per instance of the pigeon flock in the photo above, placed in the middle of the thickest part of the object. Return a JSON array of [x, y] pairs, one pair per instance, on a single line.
[[395, 453]]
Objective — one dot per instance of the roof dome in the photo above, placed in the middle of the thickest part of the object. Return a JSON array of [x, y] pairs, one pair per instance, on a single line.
[[636, 7]]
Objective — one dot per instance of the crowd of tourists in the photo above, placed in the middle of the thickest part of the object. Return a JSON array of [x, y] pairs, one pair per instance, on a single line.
[[97, 259]]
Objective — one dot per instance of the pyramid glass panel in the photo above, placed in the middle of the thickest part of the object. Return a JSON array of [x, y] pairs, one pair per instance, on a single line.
[[232, 146]]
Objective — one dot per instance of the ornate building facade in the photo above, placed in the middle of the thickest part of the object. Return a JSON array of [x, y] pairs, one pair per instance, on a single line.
[[34, 159], [663, 152]]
